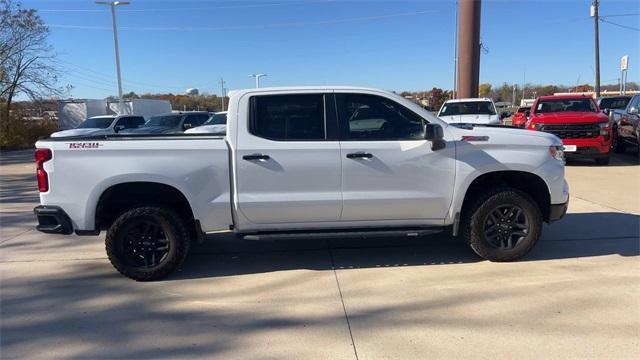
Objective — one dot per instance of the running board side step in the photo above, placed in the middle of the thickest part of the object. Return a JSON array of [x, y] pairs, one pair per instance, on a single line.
[[342, 234]]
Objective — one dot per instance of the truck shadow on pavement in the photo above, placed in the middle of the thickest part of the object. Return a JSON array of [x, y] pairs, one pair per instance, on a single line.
[[576, 235], [84, 309], [625, 159]]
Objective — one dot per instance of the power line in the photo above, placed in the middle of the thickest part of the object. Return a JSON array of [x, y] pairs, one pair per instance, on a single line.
[[290, 3], [129, 83], [620, 25], [249, 27], [618, 15]]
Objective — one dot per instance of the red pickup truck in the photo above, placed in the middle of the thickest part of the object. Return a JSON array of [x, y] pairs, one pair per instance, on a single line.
[[576, 119]]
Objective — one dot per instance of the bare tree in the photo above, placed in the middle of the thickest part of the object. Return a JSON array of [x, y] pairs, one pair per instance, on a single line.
[[26, 59]]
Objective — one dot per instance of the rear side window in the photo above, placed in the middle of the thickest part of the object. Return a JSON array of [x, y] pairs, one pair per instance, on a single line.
[[196, 119], [288, 117]]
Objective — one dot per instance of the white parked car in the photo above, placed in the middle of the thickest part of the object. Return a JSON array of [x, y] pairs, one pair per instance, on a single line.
[[103, 125], [470, 111], [217, 124], [304, 162]]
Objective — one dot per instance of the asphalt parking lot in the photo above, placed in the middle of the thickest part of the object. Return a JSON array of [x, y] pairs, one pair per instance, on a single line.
[[577, 295]]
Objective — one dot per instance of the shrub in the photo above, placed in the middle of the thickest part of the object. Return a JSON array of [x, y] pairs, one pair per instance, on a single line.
[[24, 134]]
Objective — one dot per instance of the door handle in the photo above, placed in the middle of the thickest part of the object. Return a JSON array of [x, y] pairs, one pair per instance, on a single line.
[[359, 155], [254, 157]]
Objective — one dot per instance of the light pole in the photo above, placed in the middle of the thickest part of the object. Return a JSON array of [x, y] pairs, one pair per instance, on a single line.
[[257, 77], [594, 14], [222, 82], [113, 5]]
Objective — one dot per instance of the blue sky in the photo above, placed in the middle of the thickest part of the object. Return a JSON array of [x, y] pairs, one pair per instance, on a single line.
[[394, 45]]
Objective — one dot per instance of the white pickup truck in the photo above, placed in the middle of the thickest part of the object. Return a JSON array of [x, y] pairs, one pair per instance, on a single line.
[[303, 162]]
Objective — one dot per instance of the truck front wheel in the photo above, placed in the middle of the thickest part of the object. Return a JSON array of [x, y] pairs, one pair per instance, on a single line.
[[502, 224], [147, 243], [617, 144]]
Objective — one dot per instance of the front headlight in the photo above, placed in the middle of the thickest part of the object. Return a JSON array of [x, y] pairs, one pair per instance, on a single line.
[[604, 128], [557, 152]]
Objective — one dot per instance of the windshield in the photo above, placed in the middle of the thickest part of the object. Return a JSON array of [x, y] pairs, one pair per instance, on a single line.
[[468, 108], [164, 120], [614, 103], [565, 105], [217, 119], [523, 109], [96, 123]]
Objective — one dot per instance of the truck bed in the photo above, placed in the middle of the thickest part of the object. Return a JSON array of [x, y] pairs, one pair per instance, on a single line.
[[197, 166]]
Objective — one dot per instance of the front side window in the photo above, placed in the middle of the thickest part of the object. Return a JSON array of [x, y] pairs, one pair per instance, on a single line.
[[565, 105], [288, 117], [370, 117], [468, 108]]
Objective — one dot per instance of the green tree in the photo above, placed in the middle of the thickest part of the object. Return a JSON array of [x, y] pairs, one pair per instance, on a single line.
[[438, 97], [26, 58], [484, 90]]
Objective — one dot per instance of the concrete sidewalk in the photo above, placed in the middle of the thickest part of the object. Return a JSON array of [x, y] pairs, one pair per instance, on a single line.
[[576, 296]]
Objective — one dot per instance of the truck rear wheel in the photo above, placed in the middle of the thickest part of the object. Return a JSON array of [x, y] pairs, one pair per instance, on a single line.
[[502, 224], [147, 243]]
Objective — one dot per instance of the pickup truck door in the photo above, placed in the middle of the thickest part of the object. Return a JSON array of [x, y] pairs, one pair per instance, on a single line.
[[389, 171], [288, 171]]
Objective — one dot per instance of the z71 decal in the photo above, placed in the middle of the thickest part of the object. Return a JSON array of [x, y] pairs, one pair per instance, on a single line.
[[89, 145]]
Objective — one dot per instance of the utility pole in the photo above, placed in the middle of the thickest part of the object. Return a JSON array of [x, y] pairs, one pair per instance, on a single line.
[[468, 48], [455, 56], [594, 13], [257, 77], [524, 82], [514, 96], [222, 92], [113, 5]]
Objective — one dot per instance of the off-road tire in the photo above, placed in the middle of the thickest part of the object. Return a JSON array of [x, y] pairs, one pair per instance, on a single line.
[[481, 205], [174, 229], [618, 145]]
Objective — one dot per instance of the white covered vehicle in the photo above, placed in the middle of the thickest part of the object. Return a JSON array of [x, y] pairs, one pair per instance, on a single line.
[[303, 162]]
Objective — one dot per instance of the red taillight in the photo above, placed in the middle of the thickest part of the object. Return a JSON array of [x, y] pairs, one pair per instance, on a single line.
[[42, 155]]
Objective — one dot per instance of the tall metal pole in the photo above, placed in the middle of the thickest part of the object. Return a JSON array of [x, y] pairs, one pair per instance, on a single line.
[[594, 8], [113, 5], [257, 77], [455, 56], [115, 41], [222, 92], [469, 48]]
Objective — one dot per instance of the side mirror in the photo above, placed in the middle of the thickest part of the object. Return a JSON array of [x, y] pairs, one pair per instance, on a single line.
[[633, 110], [527, 113], [606, 111], [187, 126], [435, 134], [118, 128]]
